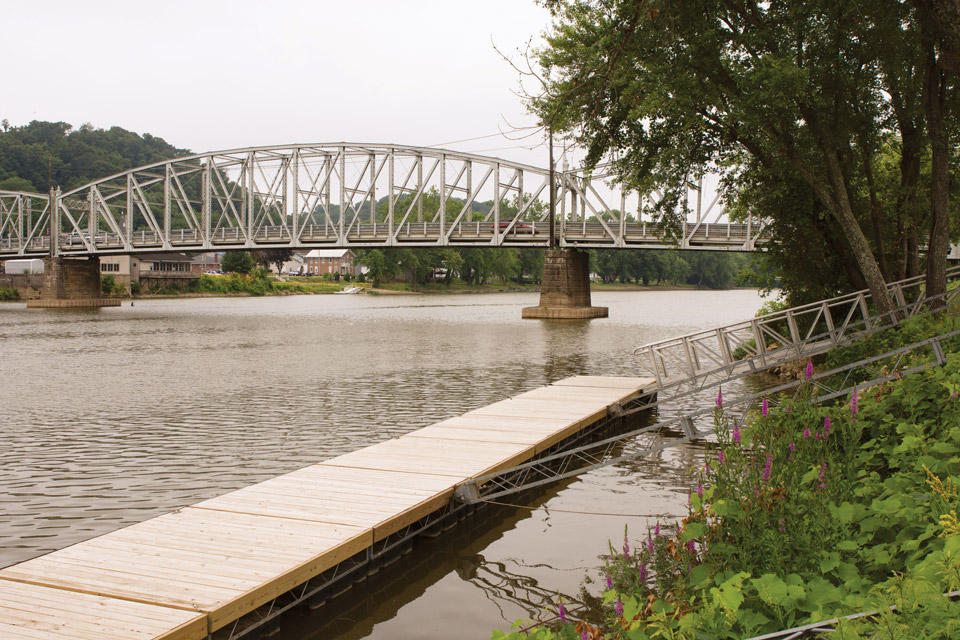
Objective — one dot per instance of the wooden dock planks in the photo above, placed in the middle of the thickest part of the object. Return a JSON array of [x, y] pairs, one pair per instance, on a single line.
[[187, 573]]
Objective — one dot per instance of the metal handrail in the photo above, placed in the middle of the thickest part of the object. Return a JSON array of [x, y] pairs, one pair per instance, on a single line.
[[779, 333]]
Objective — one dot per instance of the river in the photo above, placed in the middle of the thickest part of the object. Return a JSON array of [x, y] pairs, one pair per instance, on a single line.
[[113, 416]]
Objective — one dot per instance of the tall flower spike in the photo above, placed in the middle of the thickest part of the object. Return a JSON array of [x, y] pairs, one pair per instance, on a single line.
[[853, 403], [826, 426], [764, 408], [720, 456], [618, 607], [720, 399], [809, 370], [562, 613]]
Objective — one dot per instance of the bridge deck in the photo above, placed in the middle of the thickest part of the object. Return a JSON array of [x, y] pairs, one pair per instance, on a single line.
[[185, 574]]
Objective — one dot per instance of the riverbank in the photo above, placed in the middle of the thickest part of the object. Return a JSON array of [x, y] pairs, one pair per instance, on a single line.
[[239, 286], [807, 513]]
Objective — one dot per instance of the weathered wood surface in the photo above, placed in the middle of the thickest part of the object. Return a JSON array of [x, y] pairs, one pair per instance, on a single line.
[[187, 573]]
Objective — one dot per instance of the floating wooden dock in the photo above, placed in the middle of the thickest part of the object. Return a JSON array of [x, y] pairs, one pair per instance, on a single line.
[[188, 574]]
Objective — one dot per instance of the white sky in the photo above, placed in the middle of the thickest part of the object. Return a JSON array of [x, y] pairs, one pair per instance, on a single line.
[[211, 74]]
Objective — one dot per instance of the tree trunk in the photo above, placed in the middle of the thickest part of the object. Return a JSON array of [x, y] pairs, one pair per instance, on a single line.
[[843, 212], [875, 211], [934, 102]]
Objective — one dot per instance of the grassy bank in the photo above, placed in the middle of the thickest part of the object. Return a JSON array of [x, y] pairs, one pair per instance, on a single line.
[[804, 514], [236, 284]]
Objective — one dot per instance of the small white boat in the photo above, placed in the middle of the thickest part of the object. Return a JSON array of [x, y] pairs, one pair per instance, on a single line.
[[350, 290]]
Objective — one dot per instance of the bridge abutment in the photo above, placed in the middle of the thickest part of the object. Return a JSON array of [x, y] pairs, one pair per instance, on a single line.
[[565, 292], [71, 283]]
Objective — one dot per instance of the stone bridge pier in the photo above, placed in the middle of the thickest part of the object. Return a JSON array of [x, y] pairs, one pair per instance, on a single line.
[[71, 283], [565, 291]]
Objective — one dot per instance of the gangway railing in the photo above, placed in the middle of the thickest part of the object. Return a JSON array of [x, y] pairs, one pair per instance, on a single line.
[[825, 628], [622, 448], [775, 338]]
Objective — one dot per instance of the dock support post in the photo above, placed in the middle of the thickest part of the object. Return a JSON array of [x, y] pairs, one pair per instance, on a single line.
[[565, 291], [689, 429]]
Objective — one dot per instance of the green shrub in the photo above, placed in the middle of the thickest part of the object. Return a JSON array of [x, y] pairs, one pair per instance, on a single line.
[[9, 294], [110, 287], [803, 514]]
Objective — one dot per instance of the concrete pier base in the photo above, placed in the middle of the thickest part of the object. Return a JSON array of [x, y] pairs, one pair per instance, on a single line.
[[565, 292], [70, 283]]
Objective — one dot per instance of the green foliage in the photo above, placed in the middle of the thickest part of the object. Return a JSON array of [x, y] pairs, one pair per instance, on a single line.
[[8, 294], [715, 270], [76, 156], [110, 287], [806, 513], [237, 262], [134, 288], [812, 116]]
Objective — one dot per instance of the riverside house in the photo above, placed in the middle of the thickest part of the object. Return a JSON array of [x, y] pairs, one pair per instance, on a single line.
[[321, 261]]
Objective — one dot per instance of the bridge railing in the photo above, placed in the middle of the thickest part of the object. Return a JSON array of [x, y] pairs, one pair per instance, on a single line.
[[774, 337]]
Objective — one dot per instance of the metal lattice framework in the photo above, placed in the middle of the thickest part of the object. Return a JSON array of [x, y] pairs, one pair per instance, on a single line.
[[347, 195], [771, 339]]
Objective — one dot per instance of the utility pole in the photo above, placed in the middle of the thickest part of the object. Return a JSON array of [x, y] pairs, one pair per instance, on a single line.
[[553, 196]]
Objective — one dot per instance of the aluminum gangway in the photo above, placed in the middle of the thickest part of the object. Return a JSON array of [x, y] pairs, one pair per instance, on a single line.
[[712, 356]]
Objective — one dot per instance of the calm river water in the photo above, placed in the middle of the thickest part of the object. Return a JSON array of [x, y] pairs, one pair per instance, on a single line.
[[112, 416]]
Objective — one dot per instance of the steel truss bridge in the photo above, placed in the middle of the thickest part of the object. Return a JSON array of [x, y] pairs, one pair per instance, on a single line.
[[347, 195]]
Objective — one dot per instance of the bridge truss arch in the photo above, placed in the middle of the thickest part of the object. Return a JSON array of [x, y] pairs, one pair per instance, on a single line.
[[345, 195]]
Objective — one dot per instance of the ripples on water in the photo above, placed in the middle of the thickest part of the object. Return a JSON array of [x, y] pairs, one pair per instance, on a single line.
[[113, 416]]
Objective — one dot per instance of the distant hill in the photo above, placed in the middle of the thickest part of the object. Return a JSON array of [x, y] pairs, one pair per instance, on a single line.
[[76, 156]]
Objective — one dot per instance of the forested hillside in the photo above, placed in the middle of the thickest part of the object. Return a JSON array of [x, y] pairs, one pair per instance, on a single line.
[[30, 154]]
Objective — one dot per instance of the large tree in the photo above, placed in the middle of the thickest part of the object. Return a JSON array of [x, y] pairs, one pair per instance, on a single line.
[[671, 88]]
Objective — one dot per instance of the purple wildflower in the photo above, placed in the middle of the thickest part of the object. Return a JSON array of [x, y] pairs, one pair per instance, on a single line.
[[853, 403], [764, 408], [656, 531], [584, 635], [691, 546], [618, 607], [562, 613], [809, 370], [643, 573], [700, 490], [793, 447], [706, 467], [806, 432], [626, 547], [823, 473], [826, 426], [819, 436], [736, 433], [768, 467], [783, 525], [756, 492], [609, 581], [650, 545], [720, 456], [720, 399]]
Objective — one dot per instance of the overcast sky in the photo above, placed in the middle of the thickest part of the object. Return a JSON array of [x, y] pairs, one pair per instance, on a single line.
[[209, 75]]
